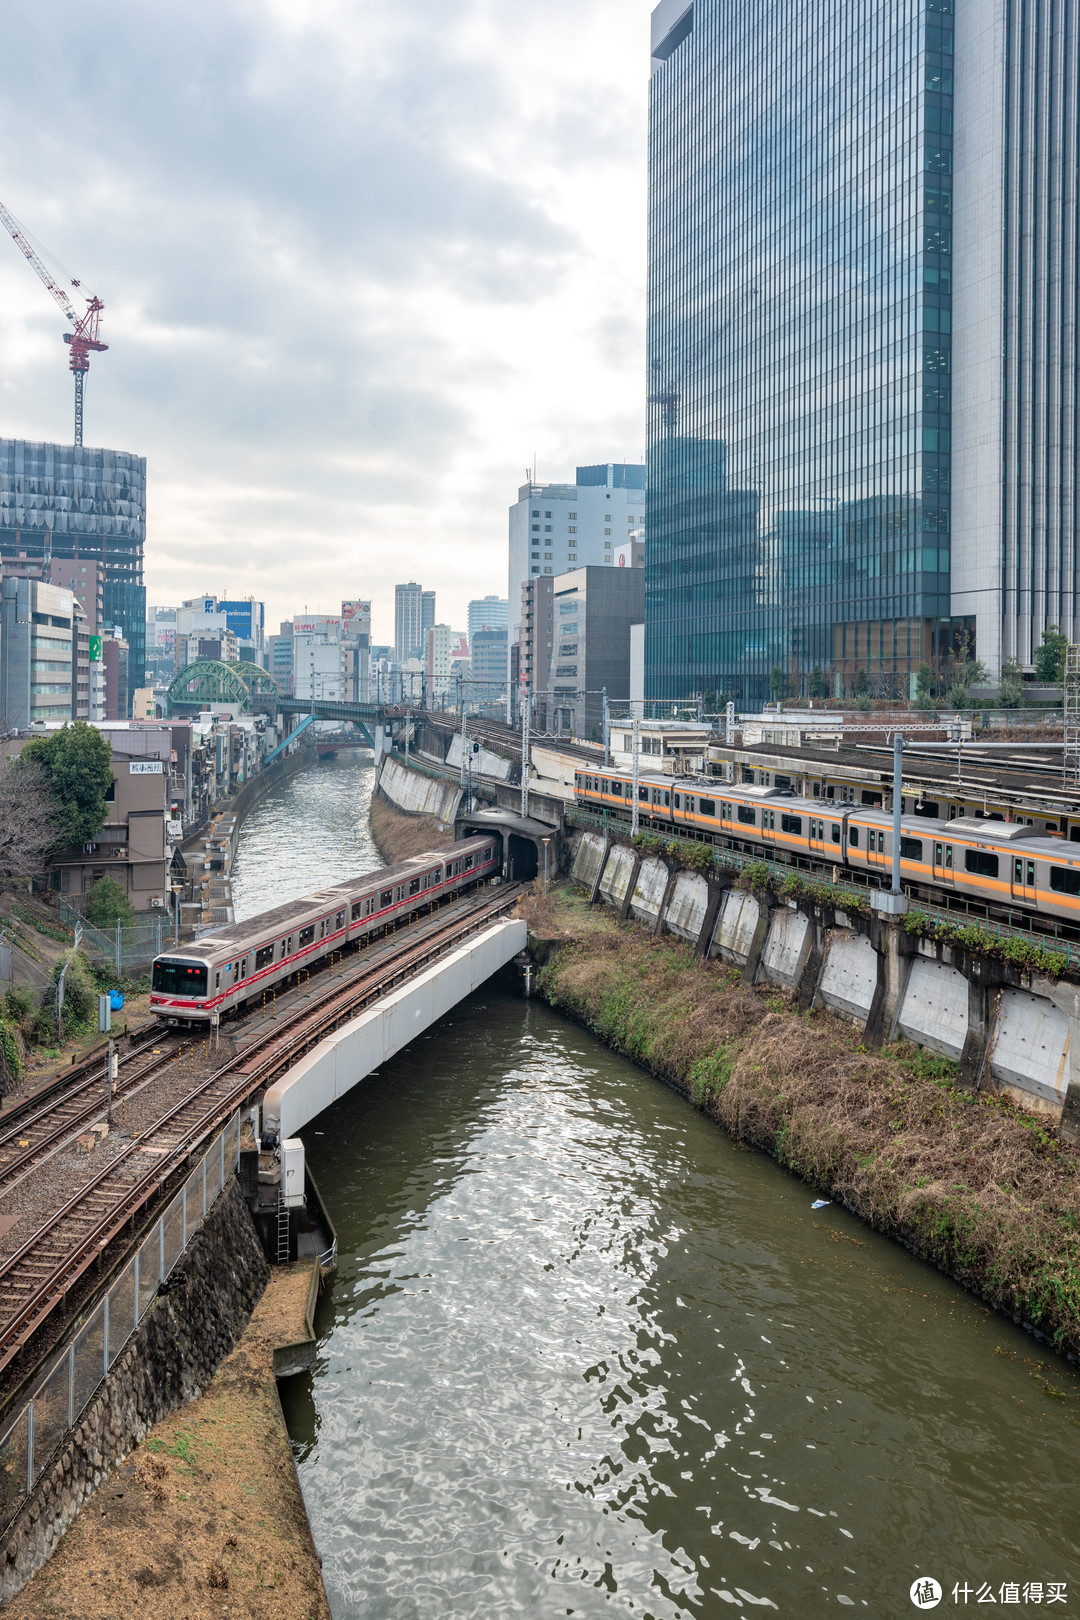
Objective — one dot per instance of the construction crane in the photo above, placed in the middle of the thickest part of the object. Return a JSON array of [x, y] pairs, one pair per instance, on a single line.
[[85, 337]]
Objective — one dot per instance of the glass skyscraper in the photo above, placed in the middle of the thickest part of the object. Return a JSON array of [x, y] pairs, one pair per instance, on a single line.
[[848, 311]]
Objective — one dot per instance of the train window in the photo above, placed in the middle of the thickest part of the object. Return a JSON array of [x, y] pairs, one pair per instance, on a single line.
[[853, 837], [948, 855], [180, 978], [746, 814], [339, 920], [708, 807], [911, 849], [217, 980], [1063, 880], [1031, 874], [307, 935], [241, 968], [468, 866], [616, 788], [768, 819], [689, 801], [264, 956], [836, 832], [414, 886], [978, 861], [284, 949], [357, 910], [792, 824], [927, 808], [678, 800], [643, 794], [869, 797]]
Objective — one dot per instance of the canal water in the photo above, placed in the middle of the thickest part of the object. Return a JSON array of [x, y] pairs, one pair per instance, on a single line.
[[584, 1356]]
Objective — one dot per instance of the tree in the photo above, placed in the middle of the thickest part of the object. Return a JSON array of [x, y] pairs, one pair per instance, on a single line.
[[1050, 656], [777, 684], [28, 819], [862, 683], [864, 702], [1011, 685], [108, 905], [817, 687], [80, 998], [75, 762]]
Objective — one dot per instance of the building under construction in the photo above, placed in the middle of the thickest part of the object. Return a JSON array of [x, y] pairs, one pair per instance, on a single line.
[[74, 502]]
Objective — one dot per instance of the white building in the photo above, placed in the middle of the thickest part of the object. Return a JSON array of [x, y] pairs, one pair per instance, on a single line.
[[442, 643], [409, 620], [558, 527], [487, 613], [322, 659]]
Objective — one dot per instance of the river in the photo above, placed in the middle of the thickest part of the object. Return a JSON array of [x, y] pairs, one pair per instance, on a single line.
[[584, 1355]]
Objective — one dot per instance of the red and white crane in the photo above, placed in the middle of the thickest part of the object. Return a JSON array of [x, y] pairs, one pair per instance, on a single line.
[[86, 326]]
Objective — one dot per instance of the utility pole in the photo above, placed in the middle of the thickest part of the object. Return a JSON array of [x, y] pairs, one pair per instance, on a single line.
[[636, 776], [525, 717], [897, 800]]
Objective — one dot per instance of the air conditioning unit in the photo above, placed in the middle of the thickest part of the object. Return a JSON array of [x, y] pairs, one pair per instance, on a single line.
[[156, 900]]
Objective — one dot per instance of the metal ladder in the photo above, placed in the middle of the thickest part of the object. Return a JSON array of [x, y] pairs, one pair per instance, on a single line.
[[282, 1233]]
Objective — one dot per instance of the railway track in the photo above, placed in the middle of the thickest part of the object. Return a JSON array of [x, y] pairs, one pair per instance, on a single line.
[[36, 1278]]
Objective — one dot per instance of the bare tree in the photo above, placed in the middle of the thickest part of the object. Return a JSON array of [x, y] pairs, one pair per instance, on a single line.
[[28, 819]]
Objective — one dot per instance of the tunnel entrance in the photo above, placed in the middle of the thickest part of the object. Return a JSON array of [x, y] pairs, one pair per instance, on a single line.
[[521, 859]]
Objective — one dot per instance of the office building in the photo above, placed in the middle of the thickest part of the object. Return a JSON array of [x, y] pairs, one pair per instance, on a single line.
[[356, 628], [554, 527], [116, 669], [441, 641], [408, 621], [322, 660], [246, 618], [279, 661], [574, 645], [487, 613], [38, 653], [862, 340], [488, 670], [83, 505], [427, 613]]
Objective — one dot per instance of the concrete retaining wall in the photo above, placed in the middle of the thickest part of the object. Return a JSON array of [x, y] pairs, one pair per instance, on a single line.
[[487, 763], [649, 891], [687, 906], [587, 860], [419, 795], [336, 1065], [850, 976], [617, 875], [1029, 1048], [735, 927], [787, 947], [934, 1011]]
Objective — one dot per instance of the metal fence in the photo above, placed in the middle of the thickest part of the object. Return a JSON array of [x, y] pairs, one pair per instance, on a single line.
[[128, 947], [36, 1433], [734, 860]]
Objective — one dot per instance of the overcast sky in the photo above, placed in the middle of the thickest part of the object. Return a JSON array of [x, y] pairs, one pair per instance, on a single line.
[[359, 260]]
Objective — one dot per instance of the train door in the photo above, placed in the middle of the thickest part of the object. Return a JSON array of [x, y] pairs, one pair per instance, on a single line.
[[943, 861], [1023, 879], [817, 837], [768, 825]]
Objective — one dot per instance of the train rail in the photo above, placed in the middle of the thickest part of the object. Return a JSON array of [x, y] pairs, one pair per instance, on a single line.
[[37, 1278]]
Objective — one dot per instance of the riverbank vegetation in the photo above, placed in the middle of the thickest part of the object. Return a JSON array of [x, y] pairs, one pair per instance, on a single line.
[[398, 835], [968, 1180]]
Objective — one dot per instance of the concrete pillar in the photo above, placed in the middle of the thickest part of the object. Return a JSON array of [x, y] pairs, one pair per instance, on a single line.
[[980, 1016], [717, 888], [757, 944], [669, 890], [624, 909], [815, 961], [595, 890], [893, 966]]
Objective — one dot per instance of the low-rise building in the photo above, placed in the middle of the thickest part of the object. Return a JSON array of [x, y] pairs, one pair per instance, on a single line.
[[37, 653]]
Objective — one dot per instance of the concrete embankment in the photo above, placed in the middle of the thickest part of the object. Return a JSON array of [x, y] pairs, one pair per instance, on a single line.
[[206, 1517], [966, 1178], [398, 834]]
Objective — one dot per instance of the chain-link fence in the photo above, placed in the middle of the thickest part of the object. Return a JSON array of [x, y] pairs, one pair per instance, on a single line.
[[127, 948], [33, 1437]]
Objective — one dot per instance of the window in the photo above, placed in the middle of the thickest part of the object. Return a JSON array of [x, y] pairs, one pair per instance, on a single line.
[[339, 920], [983, 864], [1063, 880], [307, 935], [264, 956], [836, 832], [948, 856], [571, 528], [536, 514], [571, 516], [707, 807], [791, 824], [911, 849], [180, 978], [286, 946], [357, 911], [853, 837], [536, 528], [547, 514], [747, 816], [469, 859]]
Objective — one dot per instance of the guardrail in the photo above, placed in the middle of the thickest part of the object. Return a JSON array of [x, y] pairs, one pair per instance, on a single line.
[[34, 1436], [735, 861]]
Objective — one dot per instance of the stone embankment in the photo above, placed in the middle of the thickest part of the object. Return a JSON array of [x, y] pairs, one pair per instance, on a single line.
[[965, 1177], [171, 1358]]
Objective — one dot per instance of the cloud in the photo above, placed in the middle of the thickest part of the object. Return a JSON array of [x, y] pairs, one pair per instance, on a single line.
[[358, 261]]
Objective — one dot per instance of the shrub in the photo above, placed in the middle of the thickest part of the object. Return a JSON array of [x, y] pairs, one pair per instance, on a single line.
[[108, 905], [80, 999]]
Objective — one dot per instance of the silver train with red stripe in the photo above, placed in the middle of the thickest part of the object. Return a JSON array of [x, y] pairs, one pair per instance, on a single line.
[[238, 964]]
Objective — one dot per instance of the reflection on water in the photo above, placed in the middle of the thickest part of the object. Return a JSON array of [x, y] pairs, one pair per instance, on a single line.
[[585, 1356], [310, 831]]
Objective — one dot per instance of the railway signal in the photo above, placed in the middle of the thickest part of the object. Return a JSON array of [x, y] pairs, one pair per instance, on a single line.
[[87, 327]]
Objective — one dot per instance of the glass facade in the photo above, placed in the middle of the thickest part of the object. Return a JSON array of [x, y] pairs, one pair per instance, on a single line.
[[799, 345]]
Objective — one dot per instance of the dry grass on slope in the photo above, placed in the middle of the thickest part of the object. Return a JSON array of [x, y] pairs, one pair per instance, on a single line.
[[398, 835], [970, 1181]]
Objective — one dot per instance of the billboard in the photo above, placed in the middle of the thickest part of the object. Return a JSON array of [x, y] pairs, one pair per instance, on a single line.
[[95, 649], [351, 611]]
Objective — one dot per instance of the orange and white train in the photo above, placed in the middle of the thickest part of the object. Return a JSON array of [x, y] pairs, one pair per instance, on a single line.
[[239, 963], [1008, 866]]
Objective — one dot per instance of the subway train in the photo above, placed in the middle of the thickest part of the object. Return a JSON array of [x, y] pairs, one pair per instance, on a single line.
[[1002, 864], [224, 970]]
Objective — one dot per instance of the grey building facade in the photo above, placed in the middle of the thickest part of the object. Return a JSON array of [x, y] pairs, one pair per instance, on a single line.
[[574, 645], [863, 339], [39, 654], [79, 503]]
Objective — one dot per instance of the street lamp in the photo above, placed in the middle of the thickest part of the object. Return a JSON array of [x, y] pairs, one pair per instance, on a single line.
[[546, 842]]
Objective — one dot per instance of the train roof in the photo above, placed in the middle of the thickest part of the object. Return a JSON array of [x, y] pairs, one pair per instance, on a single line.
[[225, 942]]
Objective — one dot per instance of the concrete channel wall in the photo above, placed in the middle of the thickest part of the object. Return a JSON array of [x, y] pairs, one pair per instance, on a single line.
[[359, 1047], [1008, 1028], [417, 794]]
